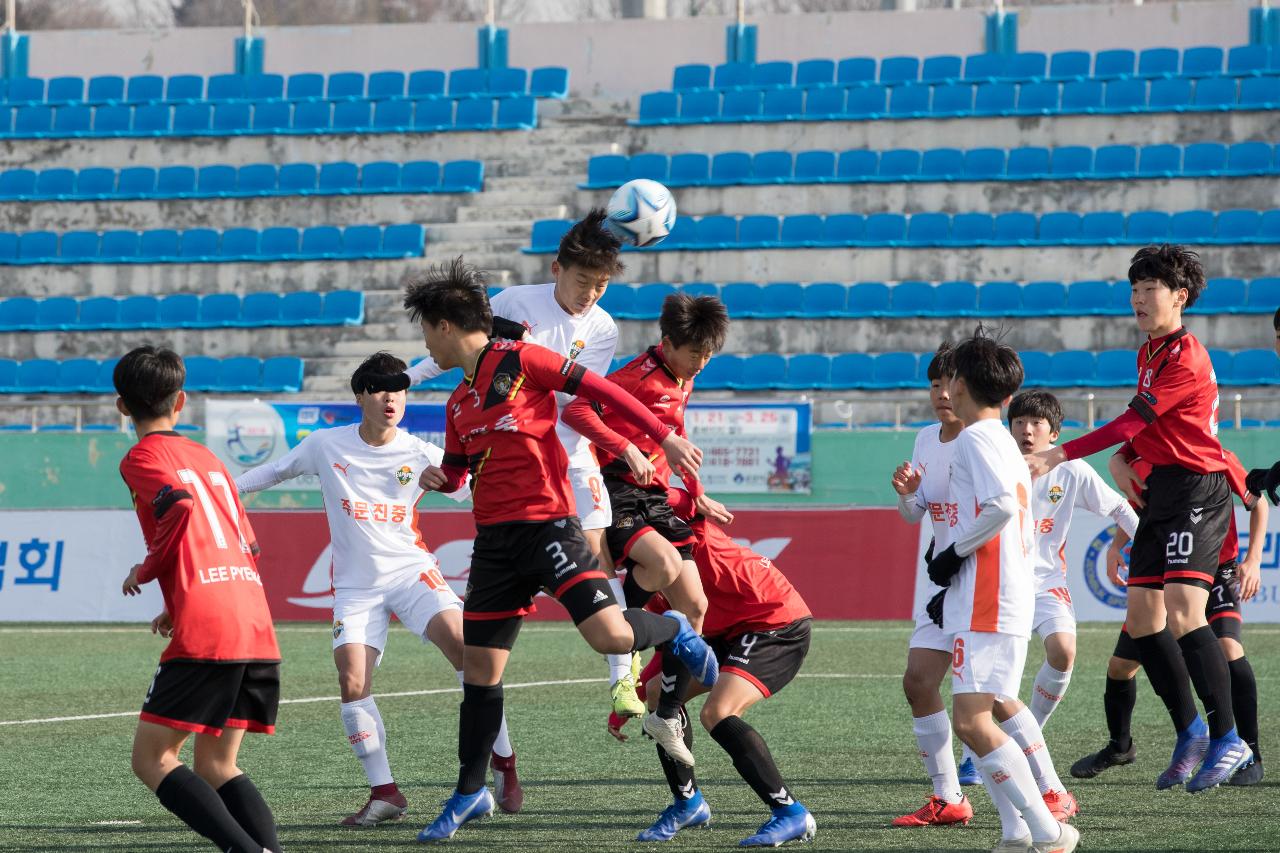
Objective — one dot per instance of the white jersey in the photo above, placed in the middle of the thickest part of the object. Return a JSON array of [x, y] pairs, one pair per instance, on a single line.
[[370, 499], [1054, 499], [995, 588], [588, 339], [932, 457]]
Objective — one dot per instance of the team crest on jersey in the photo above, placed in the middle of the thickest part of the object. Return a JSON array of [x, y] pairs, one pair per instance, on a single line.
[[576, 349], [337, 628], [1055, 494], [404, 475], [502, 383]]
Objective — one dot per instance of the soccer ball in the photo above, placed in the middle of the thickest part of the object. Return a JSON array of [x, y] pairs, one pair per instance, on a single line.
[[641, 213]]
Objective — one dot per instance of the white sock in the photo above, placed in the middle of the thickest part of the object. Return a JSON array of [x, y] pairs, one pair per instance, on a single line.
[[1011, 775], [1048, 692], [1012, 826], [933, 736], [619, 665], [502, 746], [368, 739], [1024, 729]]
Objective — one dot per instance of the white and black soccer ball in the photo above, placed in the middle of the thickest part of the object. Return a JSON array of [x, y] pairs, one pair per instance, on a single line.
[[641, 213]]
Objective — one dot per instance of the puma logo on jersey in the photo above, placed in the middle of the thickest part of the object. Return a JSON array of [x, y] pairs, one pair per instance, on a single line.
[[342, 468]]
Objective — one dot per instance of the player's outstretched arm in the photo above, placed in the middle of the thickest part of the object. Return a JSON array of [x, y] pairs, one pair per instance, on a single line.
[[295, 463], [584, 418], [449, 475]]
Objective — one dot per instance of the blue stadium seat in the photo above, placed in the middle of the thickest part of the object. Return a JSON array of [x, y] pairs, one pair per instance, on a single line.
[[885, 229], [141, 312], [226, 87], [1170, 95], [1221, 296], [716, 232], [658, 107], [911, 299], [160, 244], [1082, 96], [33, 120], [1071, 161], [282, 374], [952, 99], [823, 299], [64, 90], [549, 82], [610, 170], [852, 370], [866, 101], [1158, 62], [1036, 368], [727, 167], [972, 229], [474, 114], [743, 298], [1214, 93], [18, 313], [77, 246], [895, 70], [219, 310], [855, 70], [343, 308], [183, 88], [723, 372], [420, 176], [942, 164], [321, 241], [944, 68], [197, 244], [1114, 368], [260, 309], [403, 241], [1026, 163], [175, 182], [654, 167], [345, 85], [1269, 227], [999, 299], [1044, 297], [1148, 226], [857, 165], [929, 229], [18, 183], [297, 178], [72, 120], [1247, 59], [814, 166], [426, 83], [1221, 360], [340, 177], [815, 72], [1125, 96], [361, 241], [894, 370], [279, 243], [778, 299], [547, 233], [1069, 65], [824, 103], [393, 115], [1192, 226], [60, 313], [302, 308], [801, 231], [55, 183], [806, 371], [956, 298], [264, 87], [732, 75], [1108, 64], [253, 179], [782, 105], [690, 169], [1204, 61], [433, 114], [271, 116], [1162, 161], [220, 180], [1249, 158], [1259, 93], [1264, 294], [26, 90], [241, 373], [771, 75], [380, 176], [311, 116], [1089, 297], [239, 244], [899, 164], [517, 113], [202, 373], [109, 120], [1039, 98], [1071, 369], [1026, 66], [38, 375], [762, 371], [771, 167], [843, 229], [1103, 227], [99, 312], [507, 82], [1255, 367], [37, 247], [619, 301], [119, 246], [192, 119], [462, 176], [983, 67], [352, 116], [1015, 228], [232, 118], [144, 88], [1115, 161], [909, 100], [647, 303], [78, 375], [700, 106]]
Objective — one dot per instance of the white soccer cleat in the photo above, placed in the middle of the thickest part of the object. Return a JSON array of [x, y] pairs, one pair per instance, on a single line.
[[1014, 845], [670, 736], [1067, 841], [376, 812]]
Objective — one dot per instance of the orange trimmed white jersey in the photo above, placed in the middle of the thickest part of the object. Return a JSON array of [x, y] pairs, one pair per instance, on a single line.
[[1054, 499], [995, 588], [932, 457], [370, 499]]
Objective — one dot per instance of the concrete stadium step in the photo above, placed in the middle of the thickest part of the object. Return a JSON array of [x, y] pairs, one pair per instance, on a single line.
[[524, 213], [485, 232]]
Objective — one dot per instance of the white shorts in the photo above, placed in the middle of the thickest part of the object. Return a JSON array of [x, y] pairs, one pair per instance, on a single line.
[[927, 635], [591, 498], [1055, 613], [985, 662], [363, 615]]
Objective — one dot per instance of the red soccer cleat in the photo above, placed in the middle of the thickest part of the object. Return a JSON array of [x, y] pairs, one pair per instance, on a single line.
[[938, 812], [382, 807], [506, 784], [1062, 805]]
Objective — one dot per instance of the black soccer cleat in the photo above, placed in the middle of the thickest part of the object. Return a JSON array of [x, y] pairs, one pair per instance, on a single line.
[[1108, 756], [1250, 774]]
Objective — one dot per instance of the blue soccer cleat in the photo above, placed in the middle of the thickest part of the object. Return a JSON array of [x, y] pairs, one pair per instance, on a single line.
[[693, 651], [1191, 746], [969, 774], [1224, 757], [685, 814], [458, 809], [789, 823]]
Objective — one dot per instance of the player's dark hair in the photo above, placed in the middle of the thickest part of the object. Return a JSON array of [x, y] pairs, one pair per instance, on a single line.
[[701, 321], [455, 292], [1275, 321], [942, 365], [588, 244], [1037, 404], [991, 370], [381, 363], [1175, 267], [148, 380]]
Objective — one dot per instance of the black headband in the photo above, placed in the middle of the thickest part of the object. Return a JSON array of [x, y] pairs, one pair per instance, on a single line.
[[374, 382]]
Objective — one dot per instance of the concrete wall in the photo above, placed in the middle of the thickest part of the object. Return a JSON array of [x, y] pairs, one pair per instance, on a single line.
[[624, 58]]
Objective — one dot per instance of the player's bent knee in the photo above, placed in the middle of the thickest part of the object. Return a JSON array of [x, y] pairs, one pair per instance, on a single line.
[[1122, 669]]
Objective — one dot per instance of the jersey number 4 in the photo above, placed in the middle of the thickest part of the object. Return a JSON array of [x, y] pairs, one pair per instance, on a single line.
[[218, 479]]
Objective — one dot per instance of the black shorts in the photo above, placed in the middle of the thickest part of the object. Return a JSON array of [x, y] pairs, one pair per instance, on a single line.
[[205, 697], [512, 562], [637, 511], [1181, 529], [768, 659], [1222, 612]]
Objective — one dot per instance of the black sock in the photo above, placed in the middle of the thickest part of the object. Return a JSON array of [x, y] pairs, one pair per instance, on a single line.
[[199, 807], [1163, 662], [675, 684], [1118, 700], [649, 629], [752, 760], [1244, 702], [1207, 666], [479, 718], [244, 801], [635, 595], [679, 776]]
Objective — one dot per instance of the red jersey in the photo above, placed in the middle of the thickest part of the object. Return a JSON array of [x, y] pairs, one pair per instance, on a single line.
[[200, 549], [1178, 398]]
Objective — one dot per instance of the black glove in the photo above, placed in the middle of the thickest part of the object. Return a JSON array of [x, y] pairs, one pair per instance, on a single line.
[[509, 329], [928, 554], [944, 567], [934, 608], [1265, 481]]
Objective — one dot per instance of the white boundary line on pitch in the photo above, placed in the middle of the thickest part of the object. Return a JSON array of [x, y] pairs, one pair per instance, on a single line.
[[403, 693]]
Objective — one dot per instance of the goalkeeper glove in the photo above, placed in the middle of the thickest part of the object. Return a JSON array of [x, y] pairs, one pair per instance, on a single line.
[[934, 608], [1265, 481]]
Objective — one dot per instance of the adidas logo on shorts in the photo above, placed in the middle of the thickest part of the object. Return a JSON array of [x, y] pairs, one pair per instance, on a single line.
[[599, 597]]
